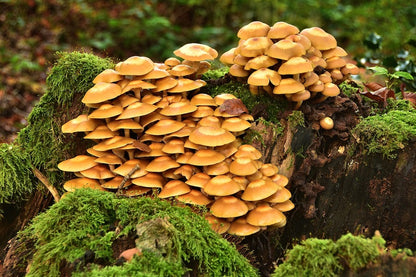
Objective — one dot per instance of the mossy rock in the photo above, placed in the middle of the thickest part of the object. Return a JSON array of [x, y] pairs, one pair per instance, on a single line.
[[89, 220]]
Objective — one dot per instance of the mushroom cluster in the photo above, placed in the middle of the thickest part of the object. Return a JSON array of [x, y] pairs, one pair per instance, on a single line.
[[155, 133], [282, 60]]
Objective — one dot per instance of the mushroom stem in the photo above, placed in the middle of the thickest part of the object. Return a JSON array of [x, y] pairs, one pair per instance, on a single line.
[[298, 104], [119, 153], [45, 181]]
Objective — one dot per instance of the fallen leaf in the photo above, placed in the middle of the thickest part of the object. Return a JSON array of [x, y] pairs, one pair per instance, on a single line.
[[233, 107], [378, 92], [141, 146]]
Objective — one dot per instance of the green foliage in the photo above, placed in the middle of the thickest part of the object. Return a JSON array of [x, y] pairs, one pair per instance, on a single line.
[[323, 257], [16, 178], [393, 80], [86, 220], [386, 133], [42, 139]]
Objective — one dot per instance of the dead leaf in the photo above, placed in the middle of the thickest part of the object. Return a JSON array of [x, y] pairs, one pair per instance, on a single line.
[[233, 107], [141, 146], [410, 96], [378, 92]]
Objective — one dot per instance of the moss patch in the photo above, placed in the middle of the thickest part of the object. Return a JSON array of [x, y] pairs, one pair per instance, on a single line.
[[16, 178], [323, 257], [42, 139], [88, 220], [386, 133]]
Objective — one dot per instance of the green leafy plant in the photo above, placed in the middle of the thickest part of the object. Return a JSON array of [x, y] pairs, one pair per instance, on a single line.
[[393, 80]]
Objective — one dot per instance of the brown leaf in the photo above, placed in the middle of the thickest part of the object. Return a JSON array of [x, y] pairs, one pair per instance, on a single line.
[[141, 146], [378, 93], [233, 107], [410, 96]]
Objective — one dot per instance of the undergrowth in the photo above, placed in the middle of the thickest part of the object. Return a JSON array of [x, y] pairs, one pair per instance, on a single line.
[[324, 257], [93, 220]]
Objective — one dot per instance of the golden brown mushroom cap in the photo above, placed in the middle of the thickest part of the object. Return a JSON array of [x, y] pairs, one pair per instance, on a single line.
[[113, 143], [228, 207], [295, 65], [204, 157], [259, 189], [262, 61], [196, 52], [107, 76], [288, 86], [281, 30], [135, 65], [227, 57], [240, 227], [164, 127], [150, 180], [221, 185], [137, 109], [101, 92], [264, 215], [106, 111], [253, 29], [161, 164], [80, 124], [281, 195], [98, 172], [326, 123], [78, 163], [194, 197], [219, 225], [82, 182], [198, 180], [178, 108], [264, 76], [211, 136], [284, 206], [243, 167], [247, 151], [285, 49], [319, 38], [255, 46], [127, 167], [174, 188]]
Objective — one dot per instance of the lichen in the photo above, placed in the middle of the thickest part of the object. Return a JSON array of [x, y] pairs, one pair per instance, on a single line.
[[88, 220], [386, 133], [324, 257]]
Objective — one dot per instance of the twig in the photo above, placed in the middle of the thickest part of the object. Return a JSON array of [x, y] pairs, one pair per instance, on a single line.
[[45, 181], [126, 178]]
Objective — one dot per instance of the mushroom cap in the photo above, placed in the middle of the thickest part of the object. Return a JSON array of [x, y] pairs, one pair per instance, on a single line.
[[318, 86], [254, 46], [172, 61], [219, 225], [186, 171], [108, 158], [325, 77], [217, 169], [150, 99], [243, 167], [184, 85], [330, 89], [228, 57], [221, 185], [241, 60], [210, 120], [202, 112], [150, 180], [319, 38], [196, 52], [228, 207], [247, 151], [194, 197], [235, 124], [205, 157], [281, 30], [80, 124], [350, 68], [101, 132], [124, 100], [135, 65], [112, 143], [165, 84], [238, 71], [82, 182], [284, 206], [78, 163], [269, 170], [281, 195], [198, 180], [136, 84], [288, 86], [124, 124], [129, 165], [174, 146], [203, 99], [264, 76], [337, 51], [115, 183], [228, 149], [181, 70], [285, 49], [137, 109], [264, 215], [161, 164], [336, 74], [211, 136], [259, 189], [280, 179], [303, 40], [178, 108], [309, 78], [156, 73], [300, 96], [253, 29], [335, 62], [240, 227], [326, 123], [262, 61], [106, 111], [317, 61], [295, 65], [164, 127], [101, 92], [221, 98], [107, 76], [174, 188]]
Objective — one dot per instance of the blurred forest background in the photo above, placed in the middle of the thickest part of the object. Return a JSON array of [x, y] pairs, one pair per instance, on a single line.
[[382, 32]]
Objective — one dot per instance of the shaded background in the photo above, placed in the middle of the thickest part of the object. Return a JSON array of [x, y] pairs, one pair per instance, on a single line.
[[31, 31]]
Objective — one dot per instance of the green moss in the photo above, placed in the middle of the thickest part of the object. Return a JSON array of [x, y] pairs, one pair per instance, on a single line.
[[87, 220], [16, 178], [42, 139], [386, 133], [296, 118], [215, 74], [323, 257]]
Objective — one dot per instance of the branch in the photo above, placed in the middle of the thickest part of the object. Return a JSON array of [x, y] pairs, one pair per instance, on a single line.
[[126, 178], [45, 181]]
